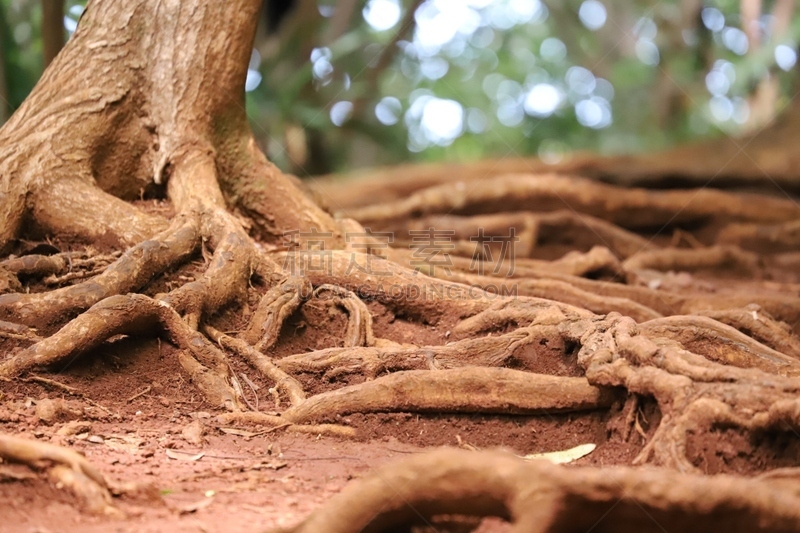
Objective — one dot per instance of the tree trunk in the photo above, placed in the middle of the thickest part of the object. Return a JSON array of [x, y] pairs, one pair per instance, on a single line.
[[160, 92]]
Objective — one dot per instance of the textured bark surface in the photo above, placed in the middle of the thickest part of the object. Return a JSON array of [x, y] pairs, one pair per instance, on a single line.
[[136, 205]]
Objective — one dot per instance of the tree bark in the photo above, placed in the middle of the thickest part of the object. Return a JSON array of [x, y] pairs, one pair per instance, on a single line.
[[160, 84]]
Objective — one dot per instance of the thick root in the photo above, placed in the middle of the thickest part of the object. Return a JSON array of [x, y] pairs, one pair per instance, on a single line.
[[66, 467], [538, 497], [721, 343], [359, 324], [129, 273], [273, 310], [766, 238], [278, 422], [625, 207], [531, 228], [493, 351], [132, 314], [756, 323], [462, 390], [691, 260]]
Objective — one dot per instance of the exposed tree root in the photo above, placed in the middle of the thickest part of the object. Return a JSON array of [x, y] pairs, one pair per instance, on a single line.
[[492, 351], [639, 302], [771, 238], [283, 381], [279, 422], [273, 309], [538, 497], [128, 273], [462, 390], [533, 228], [722, 343], [629, 208], [759, 325], [691, 260], [562, 290], [359, 323], [66, 467], [692, 391]]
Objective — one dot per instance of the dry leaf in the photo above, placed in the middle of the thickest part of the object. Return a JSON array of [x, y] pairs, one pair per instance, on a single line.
[[564, 456], [183, 456], [239, 432]]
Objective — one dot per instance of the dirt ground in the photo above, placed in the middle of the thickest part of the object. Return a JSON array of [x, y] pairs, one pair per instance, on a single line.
[[130, 409]]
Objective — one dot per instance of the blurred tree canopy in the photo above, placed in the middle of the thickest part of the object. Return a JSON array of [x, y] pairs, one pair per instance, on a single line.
[[341, 84]]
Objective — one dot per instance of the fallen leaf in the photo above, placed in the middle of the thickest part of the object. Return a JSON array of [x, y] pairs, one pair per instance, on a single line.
[[239, 432], [564, 456], [182, 456]]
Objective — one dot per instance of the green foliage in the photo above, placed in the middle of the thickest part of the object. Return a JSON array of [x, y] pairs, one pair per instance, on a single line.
[[22, 48], [649, 63]]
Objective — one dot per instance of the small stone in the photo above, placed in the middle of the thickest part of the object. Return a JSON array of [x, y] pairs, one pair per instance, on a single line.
[[97, 439], [74, 427], [47, 410], [193, 433]]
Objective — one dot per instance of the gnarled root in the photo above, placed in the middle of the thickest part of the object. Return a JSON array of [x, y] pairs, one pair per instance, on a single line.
[[626, 207], [137, 266], [274, 308], [132, 314], [192, 139], [66, 467], [538, 497], [758, 324], [283, 381], [693, 391], [278, 422], [691, 260]]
